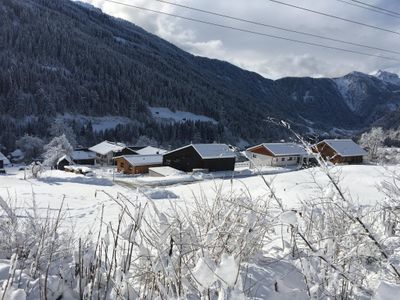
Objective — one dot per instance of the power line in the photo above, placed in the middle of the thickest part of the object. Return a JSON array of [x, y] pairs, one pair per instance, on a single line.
[[334, 17], [254, 32], [376, 7], [369, 8], [276, 27]]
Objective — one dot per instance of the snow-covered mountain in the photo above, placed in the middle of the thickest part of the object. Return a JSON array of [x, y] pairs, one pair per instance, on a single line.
[[59, 57], [388, 77]]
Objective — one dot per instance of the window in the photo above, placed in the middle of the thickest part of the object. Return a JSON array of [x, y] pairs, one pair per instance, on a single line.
[[254, 156], [290, 158], [283, 159], [122, 164]]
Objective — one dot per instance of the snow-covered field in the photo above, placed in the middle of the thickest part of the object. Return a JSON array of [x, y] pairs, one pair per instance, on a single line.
[[84, 196], [274, 271]]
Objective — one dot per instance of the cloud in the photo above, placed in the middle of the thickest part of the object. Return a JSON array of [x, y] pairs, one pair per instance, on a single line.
[[272, 58]]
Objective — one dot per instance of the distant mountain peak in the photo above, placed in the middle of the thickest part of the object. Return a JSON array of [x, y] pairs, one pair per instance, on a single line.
[[388, 77]]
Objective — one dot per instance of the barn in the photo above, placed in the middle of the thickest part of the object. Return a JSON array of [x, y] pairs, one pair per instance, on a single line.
[[63, 162], [137, 164], [106, 151], [83, 156], [211, 157], [340, 151], [277, 154]]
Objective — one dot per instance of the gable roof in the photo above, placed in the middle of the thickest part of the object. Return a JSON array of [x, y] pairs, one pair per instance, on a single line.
[[166, 171], [4, 159], [66, 157], [210, 151], [345, 147], [150, 150], [83, 155], [143, 160], [283, 149], [106, 147]]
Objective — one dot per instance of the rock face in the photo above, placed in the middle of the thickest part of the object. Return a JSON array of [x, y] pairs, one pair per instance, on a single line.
[[61, 57]]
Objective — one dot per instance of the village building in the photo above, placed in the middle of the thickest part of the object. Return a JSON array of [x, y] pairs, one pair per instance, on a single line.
[[64, 161], [149, 150], [137, 164], [84, 156], [277, 154], [106, 151], [164, 171], [3, 161], [340, 151], [208, 157]]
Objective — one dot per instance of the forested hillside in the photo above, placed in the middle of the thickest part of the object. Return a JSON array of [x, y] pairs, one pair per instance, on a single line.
[[60, 57]]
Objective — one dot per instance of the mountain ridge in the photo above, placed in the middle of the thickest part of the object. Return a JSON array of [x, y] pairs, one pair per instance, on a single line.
[[62, 57]]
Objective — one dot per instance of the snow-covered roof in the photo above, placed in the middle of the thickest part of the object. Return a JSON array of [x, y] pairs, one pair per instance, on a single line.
[[66, 157], [166, 171], [283, 149], [210, 151], [106, 147], [143, 160], [345, 147], [4, 159], [17, 153], [150, 150], [83, 155]]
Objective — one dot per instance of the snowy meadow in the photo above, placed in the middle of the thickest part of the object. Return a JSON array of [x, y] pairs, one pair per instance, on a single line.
[[318, 233]]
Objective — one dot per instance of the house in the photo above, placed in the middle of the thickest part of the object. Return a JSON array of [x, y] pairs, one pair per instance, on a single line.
[[149, 150], [106, 151], [83, 156], [63, 162], [343, 151], [137, 164], [211, 157], [277, 154], [3, 161], [164, 171]]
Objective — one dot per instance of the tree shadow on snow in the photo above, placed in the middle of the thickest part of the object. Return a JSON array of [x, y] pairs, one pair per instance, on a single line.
[[79, 180]]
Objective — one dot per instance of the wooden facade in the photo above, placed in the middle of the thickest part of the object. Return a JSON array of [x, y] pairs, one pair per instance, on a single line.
[[330, 154], [187, 158], [125, 167]]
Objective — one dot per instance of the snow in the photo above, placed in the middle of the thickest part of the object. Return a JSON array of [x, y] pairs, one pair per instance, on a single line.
[[165, 114], [387, 77], [387, 291], [166, 171], [150, 150], [4, 159], [346, 147], [98, 123], [142, 160], [106, 147], [288, 217], [82, 155], [209, 151], [280, 149], [227, 270]]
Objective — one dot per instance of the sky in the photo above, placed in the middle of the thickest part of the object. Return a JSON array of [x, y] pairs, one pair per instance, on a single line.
[[270, 57]]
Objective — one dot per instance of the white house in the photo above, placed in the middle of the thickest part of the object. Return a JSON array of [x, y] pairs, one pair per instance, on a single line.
[[106, 151], [277, 154], [3, 160]]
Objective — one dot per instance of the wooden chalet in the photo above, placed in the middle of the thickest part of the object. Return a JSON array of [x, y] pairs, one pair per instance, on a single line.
[[211, 157], [343, 151], [137, 164], [106, 151], [277, 154]]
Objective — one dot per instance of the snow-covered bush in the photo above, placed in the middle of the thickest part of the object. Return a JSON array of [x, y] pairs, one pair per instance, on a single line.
[[57, 148], [372, 140]]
